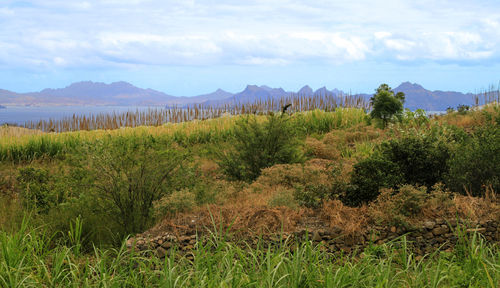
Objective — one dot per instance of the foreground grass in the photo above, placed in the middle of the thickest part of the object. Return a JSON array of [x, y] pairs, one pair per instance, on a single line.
[[28, 259]]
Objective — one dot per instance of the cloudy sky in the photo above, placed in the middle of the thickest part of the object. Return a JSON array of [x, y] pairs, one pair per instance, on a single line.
[[190, 47]]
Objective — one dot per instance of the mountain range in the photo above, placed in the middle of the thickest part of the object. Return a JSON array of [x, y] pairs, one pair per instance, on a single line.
[[126, 94]]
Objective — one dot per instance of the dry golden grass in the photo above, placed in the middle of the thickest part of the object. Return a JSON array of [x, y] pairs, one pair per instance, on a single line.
[[13, 131], [471, 119], [20, 136], [245, 209], [319, 149], [350, 219]]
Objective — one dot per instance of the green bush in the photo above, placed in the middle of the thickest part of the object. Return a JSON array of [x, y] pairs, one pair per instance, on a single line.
[[368, 177], [283, 197], [421, 160], [130, 173], [260, 145], [179, 201], [38, 192], [475, 163], [414, 160], [463, 109], [311, 195], [409, 200]]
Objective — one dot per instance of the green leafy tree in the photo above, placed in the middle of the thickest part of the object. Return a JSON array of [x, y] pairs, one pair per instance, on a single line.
[[386, 104]]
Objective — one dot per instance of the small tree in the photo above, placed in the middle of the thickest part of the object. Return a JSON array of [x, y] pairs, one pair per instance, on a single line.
[[259, 145], [129, 174], [386, 104]]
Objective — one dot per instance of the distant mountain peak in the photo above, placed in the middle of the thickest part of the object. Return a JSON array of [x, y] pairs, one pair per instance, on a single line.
[[251, 87], [306, 90], [322, 91], [409, 86]]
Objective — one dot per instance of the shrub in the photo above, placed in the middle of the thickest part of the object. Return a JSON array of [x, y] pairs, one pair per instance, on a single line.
[[283, 197], [179, 201], [37, 190], [417, 118], [421, 160], [260, 145], [474, 164], [463, 109], [368, 177], [311, 195], [409, 202], [130, 173], [414, 160]]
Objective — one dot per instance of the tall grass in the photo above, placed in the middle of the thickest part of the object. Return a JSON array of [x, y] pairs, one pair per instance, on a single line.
[[26, 147], [27, 259]]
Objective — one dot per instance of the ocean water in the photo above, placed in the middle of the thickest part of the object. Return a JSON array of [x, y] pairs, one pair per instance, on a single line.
[[22, 114]]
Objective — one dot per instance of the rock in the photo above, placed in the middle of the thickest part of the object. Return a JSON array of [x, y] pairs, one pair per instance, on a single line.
[[160, 252], [130, 242], [453, 222], [349, 240], [429, 225], [439, 239], [316, 237], [440, 230], [166, 245], [393, 229], [478, 230], [184, 238], [168, 237], [428, 235]]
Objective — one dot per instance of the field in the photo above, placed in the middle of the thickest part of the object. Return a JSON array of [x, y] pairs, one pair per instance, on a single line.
[[73, 202]]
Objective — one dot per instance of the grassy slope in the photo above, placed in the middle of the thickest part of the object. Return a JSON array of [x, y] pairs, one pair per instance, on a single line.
[[29, 258]]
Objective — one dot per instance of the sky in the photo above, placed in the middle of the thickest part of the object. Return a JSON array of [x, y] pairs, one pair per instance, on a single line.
[[191, 47]]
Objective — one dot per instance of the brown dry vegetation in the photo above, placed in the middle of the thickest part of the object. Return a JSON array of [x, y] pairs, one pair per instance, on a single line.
[[247, 215], [267, 205], [469, 121]]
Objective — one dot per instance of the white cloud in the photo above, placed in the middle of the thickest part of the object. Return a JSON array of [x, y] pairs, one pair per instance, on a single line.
[[254, 32]]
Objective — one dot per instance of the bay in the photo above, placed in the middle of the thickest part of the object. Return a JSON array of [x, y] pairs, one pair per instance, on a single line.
[[21, 114]]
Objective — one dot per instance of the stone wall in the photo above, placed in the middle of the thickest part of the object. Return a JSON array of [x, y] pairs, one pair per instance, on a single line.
[[424, 238]]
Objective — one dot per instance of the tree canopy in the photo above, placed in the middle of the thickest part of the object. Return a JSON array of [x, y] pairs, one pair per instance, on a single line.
[[386, 104]]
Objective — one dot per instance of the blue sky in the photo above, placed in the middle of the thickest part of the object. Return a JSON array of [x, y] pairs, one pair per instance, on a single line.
[[191, 47]]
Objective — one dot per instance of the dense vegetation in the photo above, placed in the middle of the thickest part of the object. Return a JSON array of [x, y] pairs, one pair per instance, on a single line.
[[69, 200]]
